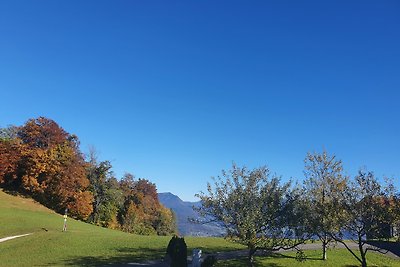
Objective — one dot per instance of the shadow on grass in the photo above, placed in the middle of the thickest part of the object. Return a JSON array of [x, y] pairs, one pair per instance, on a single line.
[[280, 255], [213, 249], [393, 247], [144, 256], [121, 257], [241, 260], [14, 192]]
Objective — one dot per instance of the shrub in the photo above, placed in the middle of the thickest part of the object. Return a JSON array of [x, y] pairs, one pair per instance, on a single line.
[[177, 252], [209, 261]]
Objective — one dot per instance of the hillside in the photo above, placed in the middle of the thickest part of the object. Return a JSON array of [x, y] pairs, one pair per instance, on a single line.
[[184, 211], [82, 244]]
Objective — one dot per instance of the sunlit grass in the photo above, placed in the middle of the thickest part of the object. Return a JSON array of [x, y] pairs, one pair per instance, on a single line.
[[89, 245], [82, 244], [336, 258]]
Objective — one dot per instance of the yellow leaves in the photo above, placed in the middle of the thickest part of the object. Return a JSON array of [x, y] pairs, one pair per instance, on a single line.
[[81, 207], [48, 164], [31, 184]]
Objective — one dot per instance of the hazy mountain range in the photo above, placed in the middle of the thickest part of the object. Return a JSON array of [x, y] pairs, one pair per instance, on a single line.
[[184, 210]]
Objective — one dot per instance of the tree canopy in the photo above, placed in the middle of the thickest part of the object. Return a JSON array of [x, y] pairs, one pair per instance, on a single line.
[[367, 214], [323, 190], [44, 161], [255, 209]]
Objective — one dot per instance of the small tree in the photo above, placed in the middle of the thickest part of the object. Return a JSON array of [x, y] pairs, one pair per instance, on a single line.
[[324, 185], [177, 252], [367, 208], [254, 209]]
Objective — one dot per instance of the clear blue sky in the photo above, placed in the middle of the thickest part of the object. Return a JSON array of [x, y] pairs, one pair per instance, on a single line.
[[174, 91]]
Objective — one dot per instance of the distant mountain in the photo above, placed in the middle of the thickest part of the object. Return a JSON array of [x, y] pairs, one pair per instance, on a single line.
[[184, 210]]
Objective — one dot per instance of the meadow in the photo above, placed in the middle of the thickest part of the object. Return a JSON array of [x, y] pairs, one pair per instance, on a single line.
[[336, 258], [81, 244], [89, 245]]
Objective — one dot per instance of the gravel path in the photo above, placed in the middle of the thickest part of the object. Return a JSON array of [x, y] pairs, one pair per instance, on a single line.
[[12, 237]]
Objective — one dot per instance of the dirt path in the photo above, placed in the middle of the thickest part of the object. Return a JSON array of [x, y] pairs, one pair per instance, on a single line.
[[12, 237]]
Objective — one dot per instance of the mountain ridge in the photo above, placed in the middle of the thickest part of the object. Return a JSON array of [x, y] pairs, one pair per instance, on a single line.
[[184, 211]]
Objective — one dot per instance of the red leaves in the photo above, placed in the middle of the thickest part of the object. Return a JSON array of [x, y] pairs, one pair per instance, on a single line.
[[44, 161], [42, 133], [10, 154]]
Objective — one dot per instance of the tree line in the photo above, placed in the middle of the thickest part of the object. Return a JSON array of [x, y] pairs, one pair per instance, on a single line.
[[42, 160], [261, 212]]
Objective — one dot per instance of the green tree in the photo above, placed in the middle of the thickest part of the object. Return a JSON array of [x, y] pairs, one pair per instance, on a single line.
[[8, 133], [107, 197], [254, 209], [324, 186], [165, 221], [368, 214]]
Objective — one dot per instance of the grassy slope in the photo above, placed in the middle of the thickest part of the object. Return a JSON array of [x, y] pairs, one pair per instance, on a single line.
[[87, 245], [336, 258], [82, 244]]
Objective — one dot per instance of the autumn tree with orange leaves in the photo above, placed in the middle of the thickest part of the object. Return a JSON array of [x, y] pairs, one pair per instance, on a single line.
[[43, 160], [142, 213], [11, 152]]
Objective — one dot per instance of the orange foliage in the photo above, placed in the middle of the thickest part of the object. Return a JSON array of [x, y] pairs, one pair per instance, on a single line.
[[143, 212], [43, 160], [81, 207], [48, 165], [10, 155], [146, 188], [42, 133]]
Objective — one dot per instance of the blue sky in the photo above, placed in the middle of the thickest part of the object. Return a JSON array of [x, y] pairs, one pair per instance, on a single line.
[[174, 91]]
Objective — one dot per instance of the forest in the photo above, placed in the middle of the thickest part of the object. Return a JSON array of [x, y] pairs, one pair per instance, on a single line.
[[41, 160]]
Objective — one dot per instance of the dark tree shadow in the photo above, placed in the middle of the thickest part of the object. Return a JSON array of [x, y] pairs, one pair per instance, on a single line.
[[14, 192], [155, 258], [239, 259], [393, 247], [243, 262], [280, 255], [122, 257]]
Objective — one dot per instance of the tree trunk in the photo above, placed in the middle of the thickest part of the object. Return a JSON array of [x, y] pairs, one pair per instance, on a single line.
[[250, 259], [364, 261], [324, 244], [362, 253]]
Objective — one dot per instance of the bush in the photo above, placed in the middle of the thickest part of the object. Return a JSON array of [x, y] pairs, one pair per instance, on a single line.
[[177, 252], [209, 261]]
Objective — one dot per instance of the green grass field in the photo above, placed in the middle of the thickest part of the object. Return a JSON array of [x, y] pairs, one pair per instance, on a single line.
[[88, 245], [336, 258], [82, 244]]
